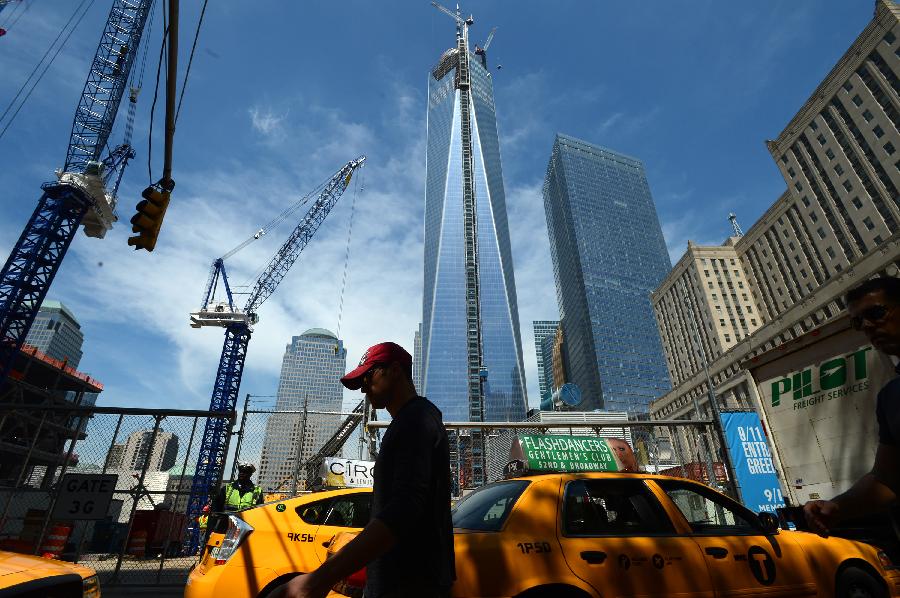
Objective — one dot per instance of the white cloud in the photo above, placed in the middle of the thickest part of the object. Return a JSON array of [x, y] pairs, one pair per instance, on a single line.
[[266, 121]]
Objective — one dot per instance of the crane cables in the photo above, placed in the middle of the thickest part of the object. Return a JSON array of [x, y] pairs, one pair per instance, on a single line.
[[14, 15], [6, 119], [359, 188]]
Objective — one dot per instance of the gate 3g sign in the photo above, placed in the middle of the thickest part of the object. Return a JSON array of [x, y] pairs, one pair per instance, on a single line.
[[84, 496]]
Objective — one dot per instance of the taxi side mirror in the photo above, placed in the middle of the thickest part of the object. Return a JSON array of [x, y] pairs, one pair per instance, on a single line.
[[769, 522]]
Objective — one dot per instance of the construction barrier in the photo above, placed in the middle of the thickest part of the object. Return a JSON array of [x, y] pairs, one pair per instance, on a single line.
[[137, 543], [55, 540]]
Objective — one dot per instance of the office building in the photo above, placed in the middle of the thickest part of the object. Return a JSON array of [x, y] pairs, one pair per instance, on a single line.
[[608, 255], [310, 390], [57, 333], [471, 346], [417, 359], [543, 330], [142, 448], [835, 225]]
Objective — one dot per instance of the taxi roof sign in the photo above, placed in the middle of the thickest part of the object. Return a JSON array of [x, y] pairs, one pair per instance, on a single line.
[[531, 453]]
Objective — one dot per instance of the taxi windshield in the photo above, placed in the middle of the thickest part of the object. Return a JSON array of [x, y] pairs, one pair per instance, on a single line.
[[487, 508]]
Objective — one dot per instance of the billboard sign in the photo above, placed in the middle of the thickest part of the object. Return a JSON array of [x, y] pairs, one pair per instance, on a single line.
[[557, 452], [347, 473], [752, 460]]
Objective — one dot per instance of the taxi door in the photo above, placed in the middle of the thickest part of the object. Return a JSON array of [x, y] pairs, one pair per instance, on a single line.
[[742, 559], [346, 513], [617, 537]]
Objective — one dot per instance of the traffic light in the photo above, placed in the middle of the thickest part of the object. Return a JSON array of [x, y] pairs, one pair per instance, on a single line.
[[150, 213]]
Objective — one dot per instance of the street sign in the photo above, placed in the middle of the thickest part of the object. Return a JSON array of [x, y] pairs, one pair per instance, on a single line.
[[84, 496]]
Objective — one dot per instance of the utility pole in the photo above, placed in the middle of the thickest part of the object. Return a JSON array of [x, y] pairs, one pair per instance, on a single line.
[[297, 460], [714, 405]]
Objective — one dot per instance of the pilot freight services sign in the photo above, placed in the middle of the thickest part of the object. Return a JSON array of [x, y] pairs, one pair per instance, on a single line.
[[753, 468]]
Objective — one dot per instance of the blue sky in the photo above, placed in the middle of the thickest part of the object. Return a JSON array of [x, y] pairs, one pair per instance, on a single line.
[[282, 96]]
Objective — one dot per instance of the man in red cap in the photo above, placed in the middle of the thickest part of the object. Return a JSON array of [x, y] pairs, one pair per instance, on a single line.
[[408, 544]]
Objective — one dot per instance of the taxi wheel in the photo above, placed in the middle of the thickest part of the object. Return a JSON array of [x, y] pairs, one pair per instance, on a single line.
[[854, 582]]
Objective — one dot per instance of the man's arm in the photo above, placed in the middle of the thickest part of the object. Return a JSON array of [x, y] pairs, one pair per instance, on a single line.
[[376, 539], [874, 491]]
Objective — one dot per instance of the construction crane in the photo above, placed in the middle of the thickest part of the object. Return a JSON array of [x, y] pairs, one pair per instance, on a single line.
[[80, 195], [238, 328]]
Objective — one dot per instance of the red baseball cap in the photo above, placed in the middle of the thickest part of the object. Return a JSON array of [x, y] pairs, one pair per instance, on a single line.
[[380, 354]]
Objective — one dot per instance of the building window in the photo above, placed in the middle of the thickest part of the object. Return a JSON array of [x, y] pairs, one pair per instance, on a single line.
[[813, 125], [784, 159], [736, 273], [879, 132], [889, 37], [830, 252], [857, 100], [856, 202], [813, 217], [753, 322], [878, 239], [839, 169], [740, 285], [721, 321], [868, 222], [897, 164], [797, 259], [821, 139], [889, 148], [846, 185], [802, 272], [780, 221], [749, 309], [867, 115], [791, 244], [805, 199], [706, 273], [821, 232], [791, 172], [829, 153], [838, 267], [847, 86]]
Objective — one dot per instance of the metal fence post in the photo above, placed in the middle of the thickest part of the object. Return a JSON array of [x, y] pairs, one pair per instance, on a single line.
[[55, 494], [136, 496]]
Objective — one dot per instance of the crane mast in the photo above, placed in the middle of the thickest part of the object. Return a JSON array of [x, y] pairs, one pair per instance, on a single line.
[[237, 324], [79, 196]]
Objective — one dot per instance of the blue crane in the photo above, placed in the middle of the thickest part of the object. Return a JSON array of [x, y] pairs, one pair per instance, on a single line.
[[80, 195], [237, 323]]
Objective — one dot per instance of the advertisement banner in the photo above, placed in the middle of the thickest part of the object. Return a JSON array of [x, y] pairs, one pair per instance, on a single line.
[[753, 467], [571, 453], [347, 473]]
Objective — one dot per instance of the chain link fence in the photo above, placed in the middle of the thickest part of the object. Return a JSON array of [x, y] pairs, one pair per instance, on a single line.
[[58, 465]]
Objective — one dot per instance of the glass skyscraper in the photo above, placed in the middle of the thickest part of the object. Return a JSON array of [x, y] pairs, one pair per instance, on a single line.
[[310, 376], [57, 333], [608, 255], [543, 330], [467, 250]]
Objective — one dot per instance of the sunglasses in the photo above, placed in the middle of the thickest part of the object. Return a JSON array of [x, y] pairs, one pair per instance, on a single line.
[[367, 377], [873, 315]]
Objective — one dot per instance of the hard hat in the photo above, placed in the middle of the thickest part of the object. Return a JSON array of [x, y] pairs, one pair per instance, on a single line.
[[245, 465], [206, 508]]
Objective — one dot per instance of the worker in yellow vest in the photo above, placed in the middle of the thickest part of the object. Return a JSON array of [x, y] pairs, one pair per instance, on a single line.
[[240, 494], [203, 519]]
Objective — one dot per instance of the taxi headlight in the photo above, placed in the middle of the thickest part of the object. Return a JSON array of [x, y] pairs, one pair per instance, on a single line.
[[885, 560], [238, 529], [90, 587]]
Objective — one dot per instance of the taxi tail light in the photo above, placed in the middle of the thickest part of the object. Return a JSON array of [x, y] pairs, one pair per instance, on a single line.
[[238, 529], [885, 560]]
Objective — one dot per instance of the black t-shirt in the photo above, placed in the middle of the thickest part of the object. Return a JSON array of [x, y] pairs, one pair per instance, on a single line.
[[412, 497], [887, 410]]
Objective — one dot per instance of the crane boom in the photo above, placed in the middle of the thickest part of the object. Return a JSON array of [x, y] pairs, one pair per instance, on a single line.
[[213, 449], [80, 195]]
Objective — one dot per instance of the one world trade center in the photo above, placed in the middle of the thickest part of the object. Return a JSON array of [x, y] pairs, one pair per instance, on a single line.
[[471, 348]]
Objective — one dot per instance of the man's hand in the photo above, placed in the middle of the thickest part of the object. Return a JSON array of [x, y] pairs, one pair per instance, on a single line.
[[302, 586], [821, 515]]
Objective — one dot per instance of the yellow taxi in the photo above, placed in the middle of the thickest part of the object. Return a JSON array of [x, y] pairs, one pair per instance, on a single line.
[[25, 575], [261, 548], [613, 533]]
